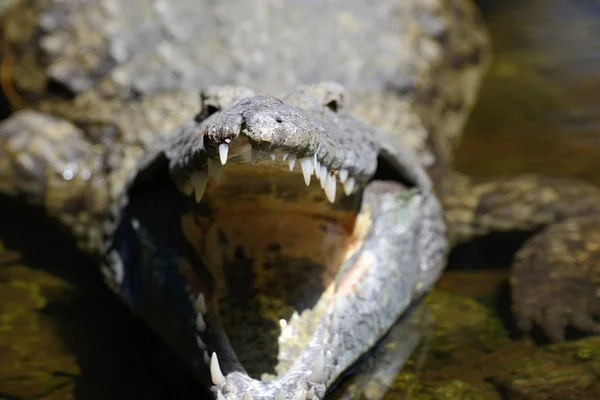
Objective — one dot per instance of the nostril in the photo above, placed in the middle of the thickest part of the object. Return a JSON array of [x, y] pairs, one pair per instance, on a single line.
[[278, 120]]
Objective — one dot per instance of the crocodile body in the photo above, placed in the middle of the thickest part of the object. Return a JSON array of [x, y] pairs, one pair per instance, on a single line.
[[272, 239]]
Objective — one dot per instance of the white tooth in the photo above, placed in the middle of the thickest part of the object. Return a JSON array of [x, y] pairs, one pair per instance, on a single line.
[[215, 371], [311, 393], [335, 341], [301, 395], [349, 186], [200, 304], [329, 356], [214, 170], [206, 358], [223, 150], [248, 396], [317, 169], [200, 324], [254, 153], [220, 395], [330, 186], [323, 176], [307, 169], [285, 156], [273, 155], [317, 373], [200, 343], [291, 161], [343, 175], [281, 395], [199, 180], [315, 161]]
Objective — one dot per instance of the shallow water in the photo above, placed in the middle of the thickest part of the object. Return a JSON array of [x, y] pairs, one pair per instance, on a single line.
[[63, 336]]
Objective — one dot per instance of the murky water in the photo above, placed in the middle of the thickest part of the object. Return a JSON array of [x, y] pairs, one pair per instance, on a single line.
[[63, 336]]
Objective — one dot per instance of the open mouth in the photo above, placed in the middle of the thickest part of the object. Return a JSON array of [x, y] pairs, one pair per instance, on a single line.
[[273, 231], [295, 263]]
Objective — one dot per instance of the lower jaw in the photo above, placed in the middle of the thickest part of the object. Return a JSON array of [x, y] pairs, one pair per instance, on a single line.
[[312, 347]]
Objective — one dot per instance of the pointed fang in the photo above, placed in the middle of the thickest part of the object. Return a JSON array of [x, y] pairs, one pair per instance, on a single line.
[[215, 371], [330, 186], [200, 324], [349, 186], [323, 176], [285, 156], [223, 150], [273, 156], [200, 304], [200, 343], [301, 395], [248, 396], [317, 373], [343, 175], [307, 169], [292, 161]]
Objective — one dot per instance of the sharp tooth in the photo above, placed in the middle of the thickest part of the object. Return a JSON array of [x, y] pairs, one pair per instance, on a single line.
[[254, 153], [291, 161], [200, 324], [317, 168], [281, 395], [285, 156], [317, 373], [315, 161], [343, 175], [220, 395], [206, 358], [223, 150], [200, 304], [214, 170], [307, 169], [349, 186], [323, 176], [335, 341], [199, 180], [215, 371], [273, 155], [200, 343], [248, 396], [301, 395], [330, 186]]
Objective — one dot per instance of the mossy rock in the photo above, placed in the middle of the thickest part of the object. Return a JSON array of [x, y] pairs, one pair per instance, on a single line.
[[561, 371]]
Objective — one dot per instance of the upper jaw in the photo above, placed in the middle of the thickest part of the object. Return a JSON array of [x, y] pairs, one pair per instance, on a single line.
[[302, 131]]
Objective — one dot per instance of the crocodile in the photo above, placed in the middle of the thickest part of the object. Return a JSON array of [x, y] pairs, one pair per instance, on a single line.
[[269, 184]]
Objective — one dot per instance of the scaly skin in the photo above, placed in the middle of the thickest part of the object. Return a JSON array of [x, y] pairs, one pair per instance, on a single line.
[[133, 137]]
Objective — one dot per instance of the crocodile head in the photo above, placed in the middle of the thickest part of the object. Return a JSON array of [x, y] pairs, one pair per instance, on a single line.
[[272, 243]]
